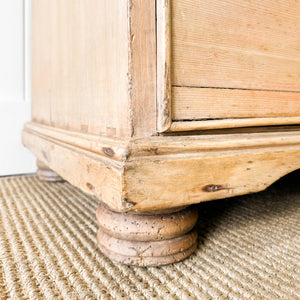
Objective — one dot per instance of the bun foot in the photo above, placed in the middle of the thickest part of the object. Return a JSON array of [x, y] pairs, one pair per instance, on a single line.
[[147, 239], [46, 174]]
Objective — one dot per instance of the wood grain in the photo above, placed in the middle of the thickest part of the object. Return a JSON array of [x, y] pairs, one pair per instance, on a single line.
[[209, 103], [103, 74], [142, 69], [188, 179], [239, 124], [164, 147], [164, 84], [233, 64], [164, 172], [113, 148], [236, 44], [80, 65], [95, 174]]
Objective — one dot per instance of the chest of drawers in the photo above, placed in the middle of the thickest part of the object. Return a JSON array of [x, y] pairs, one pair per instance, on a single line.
[[155, 105]]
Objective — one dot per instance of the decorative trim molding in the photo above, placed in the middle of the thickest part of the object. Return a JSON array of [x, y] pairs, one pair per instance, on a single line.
[[92, 171], [27, 50], [164, 171], [112, 148]]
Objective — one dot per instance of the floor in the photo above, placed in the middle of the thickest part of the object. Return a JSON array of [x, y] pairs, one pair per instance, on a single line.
[[248, 248]]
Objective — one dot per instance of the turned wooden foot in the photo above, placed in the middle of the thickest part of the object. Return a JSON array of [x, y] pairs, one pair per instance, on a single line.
[[46, 174], [147, 239]]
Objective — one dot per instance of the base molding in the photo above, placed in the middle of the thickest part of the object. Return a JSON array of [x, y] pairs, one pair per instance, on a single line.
[[165, 171]]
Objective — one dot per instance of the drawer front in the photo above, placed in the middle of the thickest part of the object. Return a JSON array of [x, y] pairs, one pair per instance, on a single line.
[[231, 60]]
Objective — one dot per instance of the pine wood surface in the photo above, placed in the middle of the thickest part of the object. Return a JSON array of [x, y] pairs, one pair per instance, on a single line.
[[209, 103], [159, 225], [142, 70], [230, 44], [200, 126], [91, 61], [122, 89], [164, 172], [152, 240], [80, 60], [164, 84], [46, 174], [228, 60]]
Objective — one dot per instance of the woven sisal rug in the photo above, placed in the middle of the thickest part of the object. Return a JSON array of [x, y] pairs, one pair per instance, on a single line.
[[248, 248]]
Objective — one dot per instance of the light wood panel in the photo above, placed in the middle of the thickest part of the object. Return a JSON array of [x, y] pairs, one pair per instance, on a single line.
[[238, 124], [164, 84], [80, 78], [212, 103], [236, 44], [142, 70], [94, 66]]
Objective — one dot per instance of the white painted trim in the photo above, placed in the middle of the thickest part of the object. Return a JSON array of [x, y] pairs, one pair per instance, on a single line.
[[15, 112], [27, 50]]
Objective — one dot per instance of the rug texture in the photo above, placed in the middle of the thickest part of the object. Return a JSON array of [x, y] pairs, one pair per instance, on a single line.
[[248, 248]]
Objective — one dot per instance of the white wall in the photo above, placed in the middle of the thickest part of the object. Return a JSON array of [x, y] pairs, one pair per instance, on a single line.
[[14, 86]]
